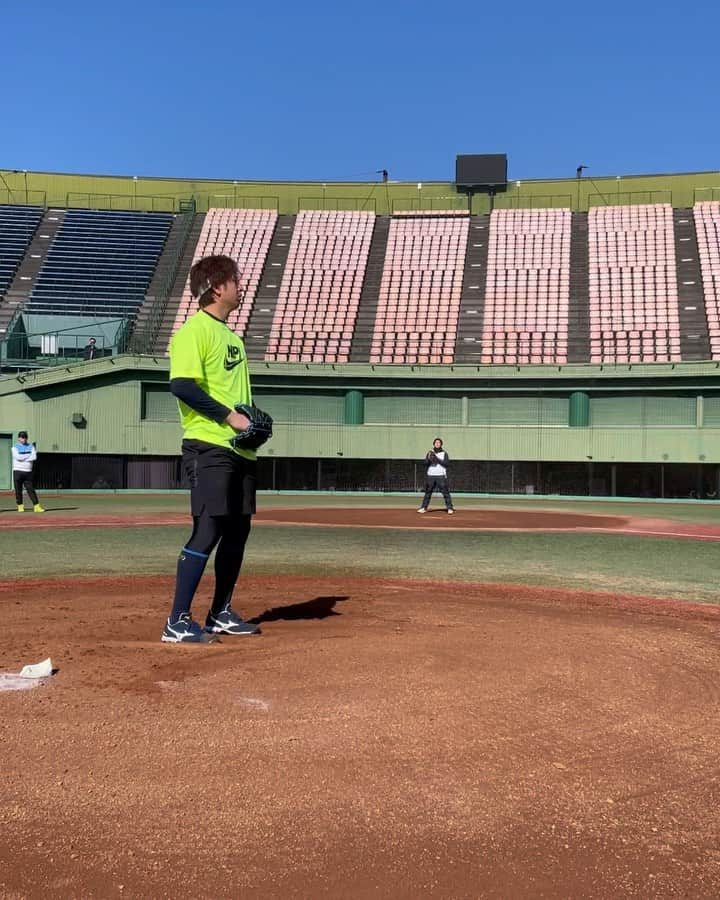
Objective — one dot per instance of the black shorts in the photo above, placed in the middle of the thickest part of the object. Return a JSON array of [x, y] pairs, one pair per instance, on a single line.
[[221, 482]]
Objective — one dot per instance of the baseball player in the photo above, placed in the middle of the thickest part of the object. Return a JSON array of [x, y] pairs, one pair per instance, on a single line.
[[437, 461], [24, 455], [209, 376]]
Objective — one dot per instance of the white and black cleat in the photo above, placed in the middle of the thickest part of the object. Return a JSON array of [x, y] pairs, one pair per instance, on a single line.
[[185, 631], [229, 622]]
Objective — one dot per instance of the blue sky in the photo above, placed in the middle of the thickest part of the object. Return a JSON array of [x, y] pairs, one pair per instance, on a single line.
[[331, 91]]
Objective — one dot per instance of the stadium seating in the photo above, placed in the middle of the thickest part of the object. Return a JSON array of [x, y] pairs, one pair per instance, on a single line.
[[18, 224], [527, 288], [633, 285], [244, 235], [100, 264], [420, 288], [707, 224], [320, 291], [415, 213]]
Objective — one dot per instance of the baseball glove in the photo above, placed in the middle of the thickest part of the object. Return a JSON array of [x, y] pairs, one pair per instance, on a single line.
[[431, 459], [258, 431]]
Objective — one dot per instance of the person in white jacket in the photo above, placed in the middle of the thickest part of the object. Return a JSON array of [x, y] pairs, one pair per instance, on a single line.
[[24, 455], [436, 479]]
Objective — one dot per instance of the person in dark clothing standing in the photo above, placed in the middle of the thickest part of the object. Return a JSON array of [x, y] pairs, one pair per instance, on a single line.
[[90, 351], [436, 479]]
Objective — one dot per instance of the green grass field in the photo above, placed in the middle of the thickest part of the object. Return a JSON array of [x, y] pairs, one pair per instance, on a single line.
[[704, 512], [659, 567]]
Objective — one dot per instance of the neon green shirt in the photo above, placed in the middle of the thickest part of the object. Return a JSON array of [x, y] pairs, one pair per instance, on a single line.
[[208, 351]]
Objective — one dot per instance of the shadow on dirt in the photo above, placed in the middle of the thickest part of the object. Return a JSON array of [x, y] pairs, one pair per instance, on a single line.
[[319, 608]]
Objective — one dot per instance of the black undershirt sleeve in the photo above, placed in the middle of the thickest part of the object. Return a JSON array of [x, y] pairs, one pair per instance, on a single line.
[[190, 392]]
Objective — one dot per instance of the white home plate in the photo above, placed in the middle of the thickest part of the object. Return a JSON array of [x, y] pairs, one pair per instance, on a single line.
[[28, 678], [18, 683]]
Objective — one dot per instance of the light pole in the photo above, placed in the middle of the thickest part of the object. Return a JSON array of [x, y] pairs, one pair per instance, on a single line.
[[578, 175]]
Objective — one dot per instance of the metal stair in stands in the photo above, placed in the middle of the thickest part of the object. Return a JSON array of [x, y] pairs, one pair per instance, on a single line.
[[694, 337], [579, 295], [151, 315], [367, 308], [261, 316], [22, 284], [468, 347], [164, 333]]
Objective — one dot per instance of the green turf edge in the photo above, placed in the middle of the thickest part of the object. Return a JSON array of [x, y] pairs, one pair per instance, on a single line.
[[647, 566]]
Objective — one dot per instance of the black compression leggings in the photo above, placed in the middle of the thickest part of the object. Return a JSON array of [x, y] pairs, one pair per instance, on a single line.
[[229, 534], [208, 531]]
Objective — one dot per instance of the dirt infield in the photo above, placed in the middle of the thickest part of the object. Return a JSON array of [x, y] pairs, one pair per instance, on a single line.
[[470, 519], [380, 739]]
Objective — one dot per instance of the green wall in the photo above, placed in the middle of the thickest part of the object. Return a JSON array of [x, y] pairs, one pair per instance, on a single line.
[[126, 408], [413, 409], [167, 194], [711, 412], [6, 441], [643, 410]]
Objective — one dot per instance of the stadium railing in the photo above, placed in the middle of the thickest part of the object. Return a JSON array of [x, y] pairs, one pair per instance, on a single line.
[[22, 351], [143, 340]]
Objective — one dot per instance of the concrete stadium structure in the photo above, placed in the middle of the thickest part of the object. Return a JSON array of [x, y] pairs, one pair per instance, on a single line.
[[643, 421]]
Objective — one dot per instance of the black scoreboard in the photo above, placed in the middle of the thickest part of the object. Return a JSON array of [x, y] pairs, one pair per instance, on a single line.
[[481, 170]]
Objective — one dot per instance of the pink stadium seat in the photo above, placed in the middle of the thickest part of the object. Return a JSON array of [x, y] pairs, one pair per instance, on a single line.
[[419, 296], [244, 235], [633, 284], [707, 225], [322, 283], [527, 287]]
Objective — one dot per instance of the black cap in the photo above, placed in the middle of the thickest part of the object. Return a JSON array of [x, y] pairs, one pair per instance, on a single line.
[[22, 434]]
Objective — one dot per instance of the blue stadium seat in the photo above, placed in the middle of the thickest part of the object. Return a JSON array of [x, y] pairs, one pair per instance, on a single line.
[[100, 263]]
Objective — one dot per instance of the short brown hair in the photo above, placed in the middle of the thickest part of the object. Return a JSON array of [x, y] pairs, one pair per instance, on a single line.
[[209, 273]]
